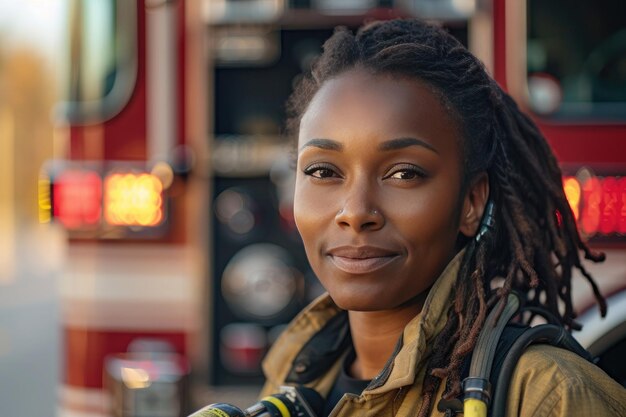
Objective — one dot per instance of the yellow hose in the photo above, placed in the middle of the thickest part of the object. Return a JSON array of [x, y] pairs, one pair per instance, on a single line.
[[473, 407]]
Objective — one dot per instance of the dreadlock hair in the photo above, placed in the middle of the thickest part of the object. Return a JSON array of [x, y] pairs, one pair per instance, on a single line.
[[534, 246]]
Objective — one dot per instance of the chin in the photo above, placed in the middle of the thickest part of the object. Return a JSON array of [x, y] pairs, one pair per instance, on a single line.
[[352, 303]]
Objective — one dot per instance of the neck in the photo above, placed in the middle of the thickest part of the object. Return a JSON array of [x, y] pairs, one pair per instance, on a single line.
[[375, 335]]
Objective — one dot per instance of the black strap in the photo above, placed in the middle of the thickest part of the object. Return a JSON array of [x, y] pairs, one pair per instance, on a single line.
[[510, 334]]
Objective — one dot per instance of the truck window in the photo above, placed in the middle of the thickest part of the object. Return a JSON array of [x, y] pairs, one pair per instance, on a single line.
[[102, 66], [576, 59]]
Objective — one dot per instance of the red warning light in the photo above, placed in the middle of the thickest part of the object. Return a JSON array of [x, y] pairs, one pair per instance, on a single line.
[[598, 204], [613, 217], [621, 221], [609, 206], [592, 197], [77, 199]]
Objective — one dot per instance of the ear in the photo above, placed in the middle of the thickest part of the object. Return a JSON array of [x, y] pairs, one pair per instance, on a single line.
[[474, 204]]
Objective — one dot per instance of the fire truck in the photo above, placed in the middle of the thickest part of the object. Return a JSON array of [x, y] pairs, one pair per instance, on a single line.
[[173, 181]]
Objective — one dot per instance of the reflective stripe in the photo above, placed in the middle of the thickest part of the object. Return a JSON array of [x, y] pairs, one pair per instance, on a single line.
[[284, 411]]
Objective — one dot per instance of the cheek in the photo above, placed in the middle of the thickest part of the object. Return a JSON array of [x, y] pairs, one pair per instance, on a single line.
[[308, 210], [426, 216]]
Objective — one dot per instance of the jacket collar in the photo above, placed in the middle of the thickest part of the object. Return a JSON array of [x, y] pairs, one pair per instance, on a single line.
[[319, 336], [420, 332]]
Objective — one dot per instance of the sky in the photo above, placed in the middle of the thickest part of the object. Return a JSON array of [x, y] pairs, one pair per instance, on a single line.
[[33, 23]]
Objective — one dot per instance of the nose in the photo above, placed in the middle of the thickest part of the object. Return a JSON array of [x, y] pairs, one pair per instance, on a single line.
[[358, 212]]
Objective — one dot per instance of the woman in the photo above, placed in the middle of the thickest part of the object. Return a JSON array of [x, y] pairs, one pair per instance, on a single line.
[[404, 142]]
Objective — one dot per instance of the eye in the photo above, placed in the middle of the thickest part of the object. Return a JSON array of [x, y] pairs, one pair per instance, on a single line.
[[321, 171], [406, 172]]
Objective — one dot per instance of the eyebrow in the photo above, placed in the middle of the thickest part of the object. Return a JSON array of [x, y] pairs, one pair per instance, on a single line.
[[390, 145], [328, 144], [400, 143]]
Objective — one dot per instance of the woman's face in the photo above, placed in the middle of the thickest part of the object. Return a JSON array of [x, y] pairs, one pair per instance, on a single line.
[[378, 191]]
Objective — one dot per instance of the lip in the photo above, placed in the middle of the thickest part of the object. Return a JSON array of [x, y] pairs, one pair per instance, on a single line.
[[361, 259]]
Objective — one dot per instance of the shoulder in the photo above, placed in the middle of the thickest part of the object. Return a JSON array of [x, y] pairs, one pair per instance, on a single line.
[[550, 381]]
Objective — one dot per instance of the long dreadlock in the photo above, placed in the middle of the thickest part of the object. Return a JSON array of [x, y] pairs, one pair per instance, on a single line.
[[535, 244]]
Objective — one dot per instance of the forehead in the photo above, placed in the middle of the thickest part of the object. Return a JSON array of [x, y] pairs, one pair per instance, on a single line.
[[364, 107]]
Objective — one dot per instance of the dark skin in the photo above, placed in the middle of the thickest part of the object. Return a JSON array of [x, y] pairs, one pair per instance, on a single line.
[[379, 202]]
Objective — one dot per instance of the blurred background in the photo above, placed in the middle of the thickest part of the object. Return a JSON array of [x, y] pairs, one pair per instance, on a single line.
[[148, 255]]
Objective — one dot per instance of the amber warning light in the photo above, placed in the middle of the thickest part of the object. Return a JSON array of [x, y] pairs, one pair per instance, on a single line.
[[86, 200], [598, 203], [133, 200]]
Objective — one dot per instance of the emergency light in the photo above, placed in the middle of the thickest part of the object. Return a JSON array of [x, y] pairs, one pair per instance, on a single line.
[[98, 200], [133, 200], [598, 204], [76, 199]]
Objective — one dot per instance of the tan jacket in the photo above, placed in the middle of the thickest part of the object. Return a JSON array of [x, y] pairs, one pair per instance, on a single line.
[[547, 381]]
